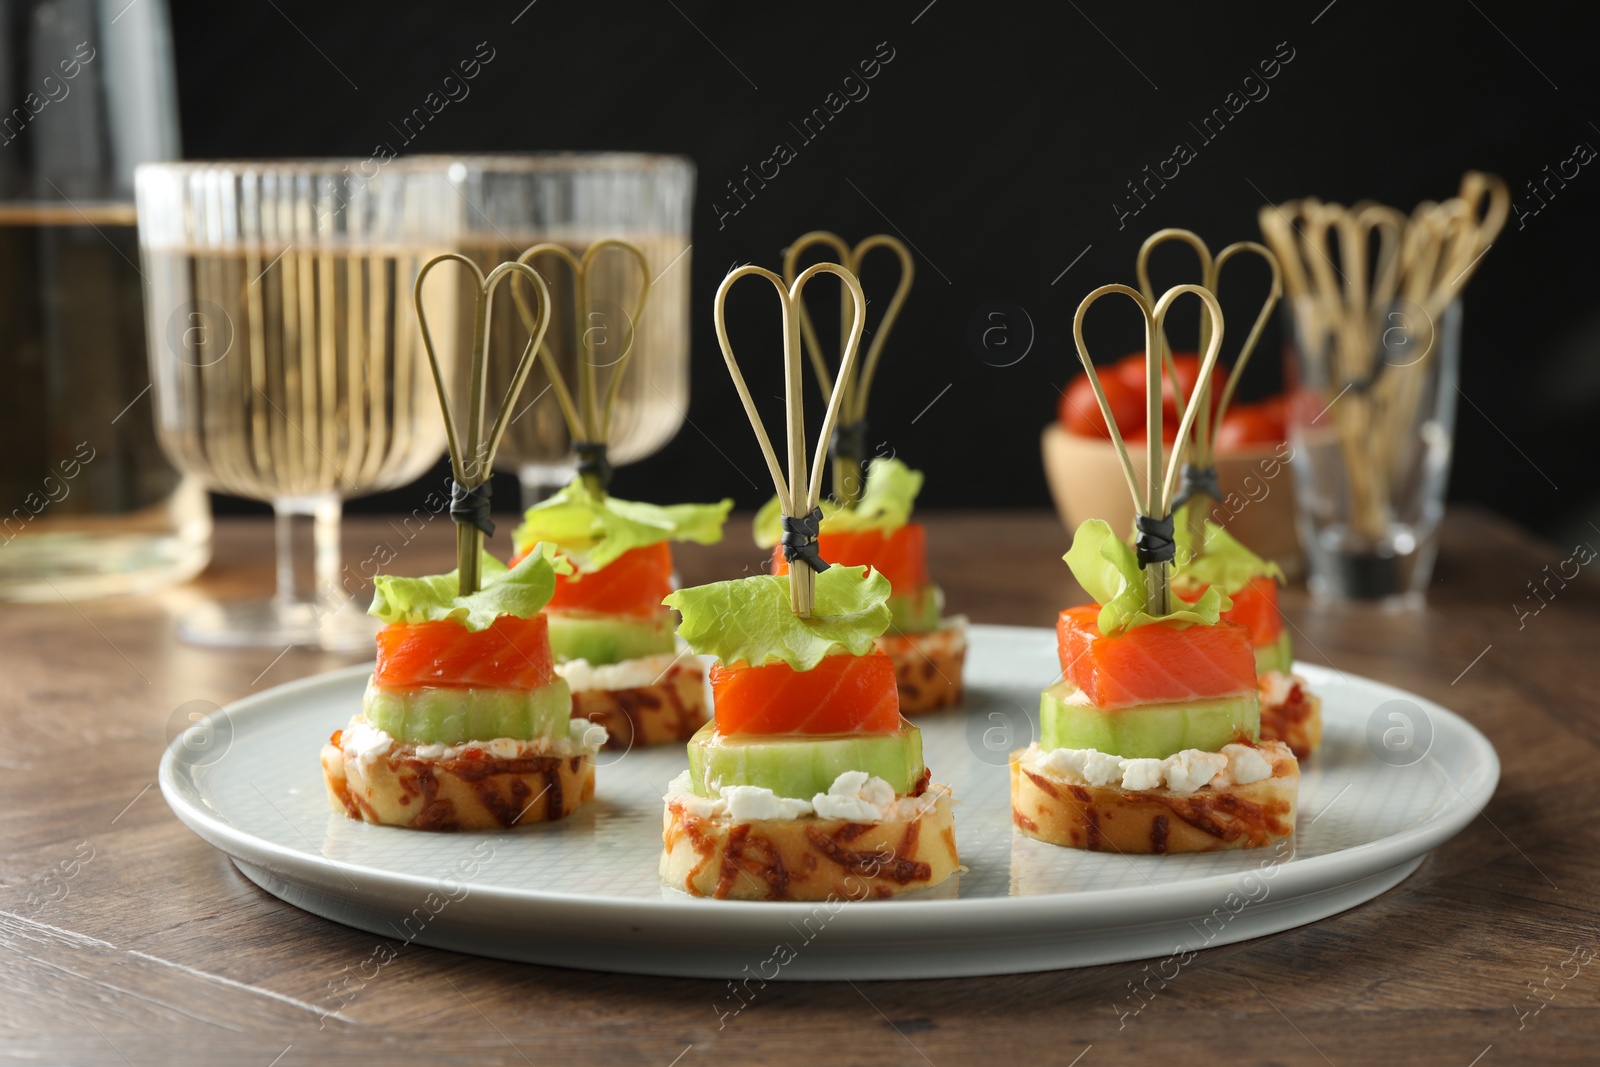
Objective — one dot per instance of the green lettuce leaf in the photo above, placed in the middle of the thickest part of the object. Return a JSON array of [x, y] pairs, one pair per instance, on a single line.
[[1109, 571], [1225, 561], [747, 620], [595, 531], [522, 591], [886, 502]]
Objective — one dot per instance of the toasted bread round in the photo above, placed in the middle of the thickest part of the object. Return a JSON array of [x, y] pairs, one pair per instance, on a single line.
[[1296, 719], [669, 710], [809, 858], [927, 666], [1112, 819], [472, 790]]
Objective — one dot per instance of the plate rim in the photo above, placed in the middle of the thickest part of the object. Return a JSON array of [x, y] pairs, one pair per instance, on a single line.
[[997, 915]]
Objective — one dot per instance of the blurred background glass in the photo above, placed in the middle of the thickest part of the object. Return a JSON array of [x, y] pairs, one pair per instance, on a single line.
[[1372, 449], [88, 504], [287, 359], [516, 201]]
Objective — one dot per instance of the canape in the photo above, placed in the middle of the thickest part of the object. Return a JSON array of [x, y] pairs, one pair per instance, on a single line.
[[1150, 741], [464, 724], [927, 647], [612, 638], [809, 784], [1206, 555]]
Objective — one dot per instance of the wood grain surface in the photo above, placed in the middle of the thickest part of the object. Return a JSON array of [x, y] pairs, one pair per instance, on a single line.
[[127, 940]]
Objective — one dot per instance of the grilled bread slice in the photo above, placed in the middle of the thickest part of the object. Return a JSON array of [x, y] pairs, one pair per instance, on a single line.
[[1291, 713], [928, 666], [501, 784], [810, 858], [1076, 814], [670, 709]]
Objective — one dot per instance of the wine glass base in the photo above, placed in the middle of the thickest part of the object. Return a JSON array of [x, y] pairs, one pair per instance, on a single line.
[[269, 624]]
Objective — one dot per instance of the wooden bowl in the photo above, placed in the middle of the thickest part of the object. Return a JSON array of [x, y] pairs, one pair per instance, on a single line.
[[1086, 482]]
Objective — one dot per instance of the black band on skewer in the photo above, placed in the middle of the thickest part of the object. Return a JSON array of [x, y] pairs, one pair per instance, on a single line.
[[592, 461], [849, 440], [1153, 542], [469, 505], [1197, 481], [800, 539]]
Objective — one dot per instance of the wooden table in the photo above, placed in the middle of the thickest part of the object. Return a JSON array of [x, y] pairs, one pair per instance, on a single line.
[[129, 940]]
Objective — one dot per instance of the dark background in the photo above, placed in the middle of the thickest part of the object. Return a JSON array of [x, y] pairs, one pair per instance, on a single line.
[[995, 141]]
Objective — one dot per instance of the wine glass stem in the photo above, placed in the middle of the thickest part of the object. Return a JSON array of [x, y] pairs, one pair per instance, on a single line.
[[308, 552], [541, 480]]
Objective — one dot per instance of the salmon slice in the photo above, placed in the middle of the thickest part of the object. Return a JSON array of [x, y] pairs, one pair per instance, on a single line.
[[631, 584], [1153, 664], [841, 695], [900, 556], [1255, 607], [513, 653]]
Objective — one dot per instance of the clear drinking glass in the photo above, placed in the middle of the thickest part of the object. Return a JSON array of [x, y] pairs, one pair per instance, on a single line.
[[287, 359], [88, 504], [516, 201], [1372, 423]]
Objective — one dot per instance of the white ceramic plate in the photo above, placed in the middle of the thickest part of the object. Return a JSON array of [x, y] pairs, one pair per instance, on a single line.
[[1396, 777]]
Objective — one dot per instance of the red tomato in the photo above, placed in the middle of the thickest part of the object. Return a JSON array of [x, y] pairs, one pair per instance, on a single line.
[[1130, 368], [1249, 425], [1080, 412], [1169, 434], [1277, 407], [1187, 365]]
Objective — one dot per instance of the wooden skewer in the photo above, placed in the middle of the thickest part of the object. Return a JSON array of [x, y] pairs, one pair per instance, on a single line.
[[1211, 278], [1142, 272], [586, 412], [474, 472], [1207, 427], [1156, 501], [1419, 268], [847, 470], [798, 494]]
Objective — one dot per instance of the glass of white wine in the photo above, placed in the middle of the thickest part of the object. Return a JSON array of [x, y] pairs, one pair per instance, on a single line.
[[513, 202], [287, 359]]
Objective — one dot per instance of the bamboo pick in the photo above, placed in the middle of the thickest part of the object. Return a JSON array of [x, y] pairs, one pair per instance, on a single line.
[[847, 470], [798, 494], [1142, 272], [1156, 502], [588, 416], [1209, 425], [791, 258], [1420, 267], [470, 475]]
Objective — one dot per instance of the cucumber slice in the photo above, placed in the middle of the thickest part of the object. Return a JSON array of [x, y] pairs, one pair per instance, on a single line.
[[918, 612], [444, 716], [603, 639], [801, 766], [1278, 656], [1152, 731]]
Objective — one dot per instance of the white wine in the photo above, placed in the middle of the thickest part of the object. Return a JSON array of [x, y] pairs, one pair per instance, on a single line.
[[88, 504], [654, 394], [288, 374]]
